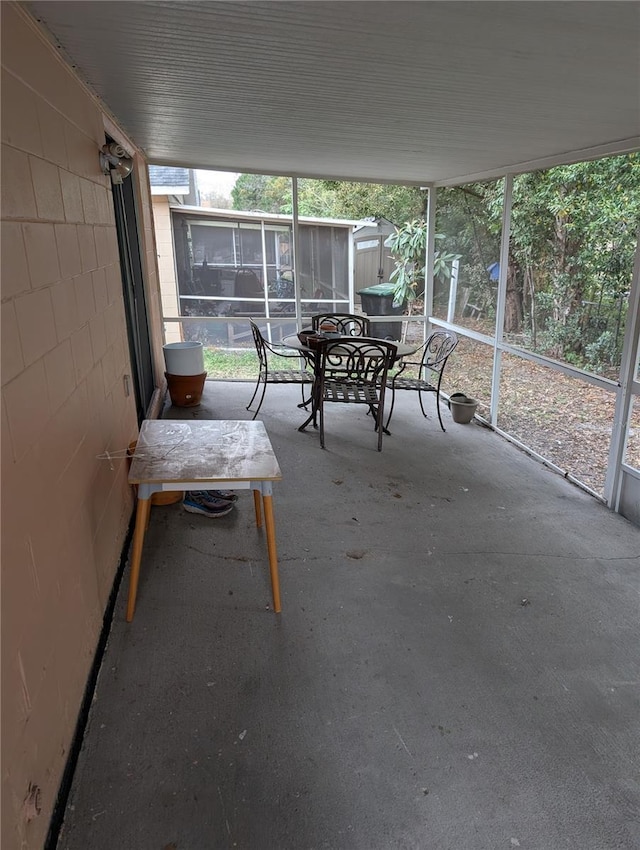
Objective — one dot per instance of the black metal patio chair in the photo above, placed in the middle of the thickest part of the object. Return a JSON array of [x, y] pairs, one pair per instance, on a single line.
[[266, 375], [430, 368], [347, 324], [352, 371]]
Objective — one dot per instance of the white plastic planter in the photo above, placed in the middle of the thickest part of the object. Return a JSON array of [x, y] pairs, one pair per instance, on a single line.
[[184, 358]]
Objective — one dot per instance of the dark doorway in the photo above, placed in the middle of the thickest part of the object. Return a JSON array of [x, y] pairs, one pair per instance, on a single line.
[[134, 297]]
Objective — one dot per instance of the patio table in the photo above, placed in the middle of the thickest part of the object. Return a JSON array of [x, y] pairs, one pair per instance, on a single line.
[[197, 455], [403, 349], [292, 341]]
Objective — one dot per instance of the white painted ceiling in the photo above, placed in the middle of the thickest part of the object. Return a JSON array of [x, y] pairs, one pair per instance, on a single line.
[[422, 92]]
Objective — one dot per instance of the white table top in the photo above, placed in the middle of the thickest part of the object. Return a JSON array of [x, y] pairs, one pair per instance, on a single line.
[[404, 348], [203, 450]]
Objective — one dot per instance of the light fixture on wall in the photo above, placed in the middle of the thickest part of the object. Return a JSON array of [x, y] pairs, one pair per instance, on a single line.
[[114, 160]]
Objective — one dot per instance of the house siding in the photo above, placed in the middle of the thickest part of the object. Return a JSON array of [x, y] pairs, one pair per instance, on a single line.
[[65, 353], [166, 266]]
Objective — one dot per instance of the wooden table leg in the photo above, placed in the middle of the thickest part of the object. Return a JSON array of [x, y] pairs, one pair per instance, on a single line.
[[142, 516], [256, 503], [273, 554]]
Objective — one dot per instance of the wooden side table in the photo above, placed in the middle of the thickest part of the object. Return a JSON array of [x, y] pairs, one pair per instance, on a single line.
[[206, 454]]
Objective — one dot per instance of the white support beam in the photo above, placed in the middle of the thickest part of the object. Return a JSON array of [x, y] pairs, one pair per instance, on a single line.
[[430, 258], [295, 235], [453, 290], [502, 295], [628, 367], [265, 281]]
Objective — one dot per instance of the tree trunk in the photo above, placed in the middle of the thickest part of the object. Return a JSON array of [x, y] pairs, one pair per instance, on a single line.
[[513, 303], [567, 287], [528, 273]]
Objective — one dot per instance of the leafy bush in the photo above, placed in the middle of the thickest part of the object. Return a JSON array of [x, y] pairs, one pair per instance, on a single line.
[[603, 352], [408, 246]]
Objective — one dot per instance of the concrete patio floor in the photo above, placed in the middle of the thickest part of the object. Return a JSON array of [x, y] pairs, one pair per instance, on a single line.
[[455, 665]]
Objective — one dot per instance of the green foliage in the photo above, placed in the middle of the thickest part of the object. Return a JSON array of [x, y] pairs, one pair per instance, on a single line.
[[563, 337], [327, 198], [471, 218], [573, 241], [603, 352], [398, 204], [408, 245], [261, 193], [574, 238]]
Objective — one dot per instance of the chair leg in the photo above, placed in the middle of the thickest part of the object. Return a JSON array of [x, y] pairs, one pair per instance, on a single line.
[[316, 398], [306, 422], [321, 406], [393, 401], [438, 409], [264, 389], [424, 412], [380, 428], [312, 417], [306, 403], [254, 394]]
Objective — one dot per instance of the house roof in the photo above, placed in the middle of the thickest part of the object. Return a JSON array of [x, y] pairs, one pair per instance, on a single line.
[[165, 180], [414, 92]]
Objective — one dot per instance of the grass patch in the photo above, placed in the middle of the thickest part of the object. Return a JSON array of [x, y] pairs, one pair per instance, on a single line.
[[222, 364]]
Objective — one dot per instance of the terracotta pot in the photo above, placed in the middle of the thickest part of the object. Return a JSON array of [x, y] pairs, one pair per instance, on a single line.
[[185, 390]]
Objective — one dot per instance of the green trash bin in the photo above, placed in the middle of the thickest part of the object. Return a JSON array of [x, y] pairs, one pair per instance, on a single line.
[[378, 301]]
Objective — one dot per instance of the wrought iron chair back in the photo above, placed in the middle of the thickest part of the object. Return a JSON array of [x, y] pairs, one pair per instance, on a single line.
[[347, 324], [267, 375], [354, 371], [430, 367]]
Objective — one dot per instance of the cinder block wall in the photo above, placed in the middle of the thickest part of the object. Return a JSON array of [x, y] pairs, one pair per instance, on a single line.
[[65, 353]]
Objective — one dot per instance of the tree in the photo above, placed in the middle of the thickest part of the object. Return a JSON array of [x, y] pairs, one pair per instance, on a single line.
[[574, 238], [470, 216], [261, 192], [215, 199], [408, 246], [328, 198], [398, 204]]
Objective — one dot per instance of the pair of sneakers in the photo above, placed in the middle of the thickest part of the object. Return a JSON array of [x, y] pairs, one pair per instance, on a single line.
[[211, 503]]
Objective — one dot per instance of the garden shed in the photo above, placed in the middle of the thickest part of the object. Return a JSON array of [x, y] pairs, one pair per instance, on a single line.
[[235, 265], [373, 261]]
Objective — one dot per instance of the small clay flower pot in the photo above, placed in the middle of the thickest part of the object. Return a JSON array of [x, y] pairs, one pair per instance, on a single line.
[[463, 408]]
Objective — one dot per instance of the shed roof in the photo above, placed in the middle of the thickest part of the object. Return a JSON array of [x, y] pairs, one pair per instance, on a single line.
[[257, 216]]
